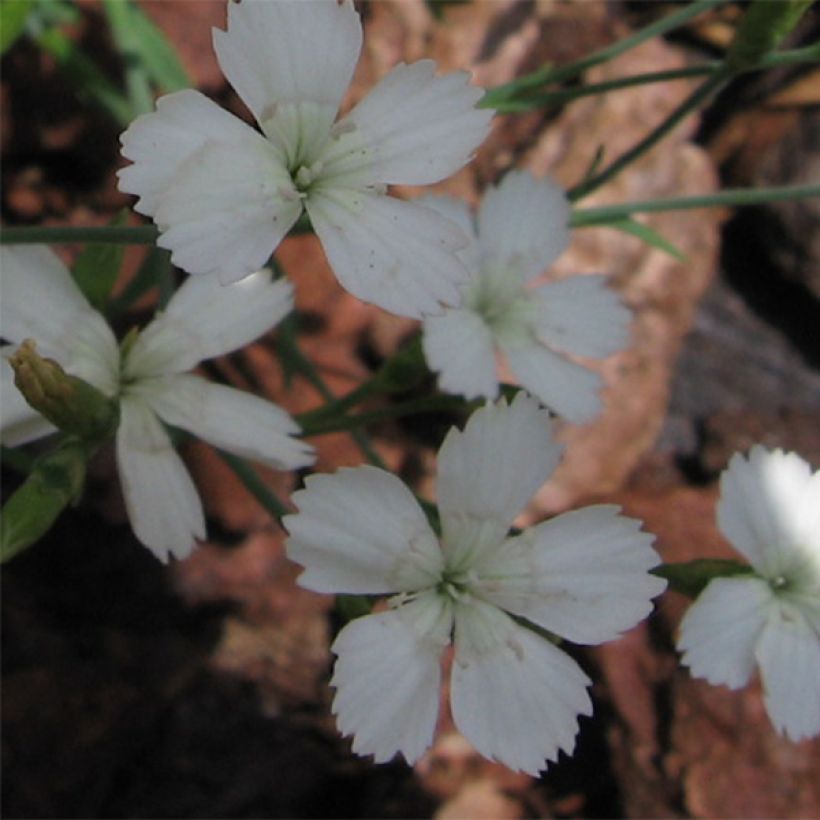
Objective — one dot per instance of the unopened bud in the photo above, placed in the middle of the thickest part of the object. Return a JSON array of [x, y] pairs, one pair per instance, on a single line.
[[69, 403]]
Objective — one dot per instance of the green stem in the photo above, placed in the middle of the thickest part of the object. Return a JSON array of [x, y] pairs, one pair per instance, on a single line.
[[587, 217], [567, 72], [694, 101], [254, 484], [64, 235], [564, 95]]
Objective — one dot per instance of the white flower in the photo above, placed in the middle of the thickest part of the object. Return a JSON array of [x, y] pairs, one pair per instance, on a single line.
[[224, 195], [769, 509], [515, 696], [522, 226], [203, 319]]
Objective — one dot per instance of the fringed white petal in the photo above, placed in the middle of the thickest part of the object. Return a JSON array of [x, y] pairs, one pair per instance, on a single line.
[[290, 51], [457, 211], [239, 422], [361, 531], [582, 575], [490, 471], [564, 386], [228, 209], [398, 255], [721, 629], [162, 502], [206, 318], [387, 679], [769, 509], [40, 299], [413, 128], [581, 315], [458, 345], [159, 143], [523, 225], [789, 656], [515, 696]]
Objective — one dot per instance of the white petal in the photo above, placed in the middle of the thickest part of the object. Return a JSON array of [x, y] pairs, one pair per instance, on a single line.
[[458, 345], [289, 52], [769, 509], [206, 318], [160, 142], [228, 208], [40, 298], [457, 210], [564, 386], [581, 315], [19, 421], [413, 128], [361, 531], [789, 656], [162, 502], [720, 631], [582, 575], [41, 301], [387, 680], [523, 224], [238, 422], [397, 255], [489, 471], [515, 696]]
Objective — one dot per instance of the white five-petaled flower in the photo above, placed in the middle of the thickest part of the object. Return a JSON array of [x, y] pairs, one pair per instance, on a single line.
[[769, 509], [522, 227], [150, 379], [515, 696], [224, 195]]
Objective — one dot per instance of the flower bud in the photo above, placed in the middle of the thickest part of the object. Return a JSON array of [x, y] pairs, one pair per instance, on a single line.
[[69, 403]]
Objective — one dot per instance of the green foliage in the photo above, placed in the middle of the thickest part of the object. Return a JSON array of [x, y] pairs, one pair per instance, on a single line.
[[13, 16], [691, 578], [139, 40], [150, 63], [764, 26], [55, 482], [648, 235], [97, 268]]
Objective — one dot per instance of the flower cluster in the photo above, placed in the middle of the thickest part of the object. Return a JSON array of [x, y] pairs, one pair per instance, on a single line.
[[149, 377], [486, 604]]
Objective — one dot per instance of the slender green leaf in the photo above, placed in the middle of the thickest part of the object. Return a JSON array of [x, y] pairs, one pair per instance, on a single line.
[[55, 482], [85, 76], [648, 235], [13, 16], [97, 268], [149, 57], [159, 56]]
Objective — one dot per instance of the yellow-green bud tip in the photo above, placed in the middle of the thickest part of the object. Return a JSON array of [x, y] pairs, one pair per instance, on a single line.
[[68, 402]]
